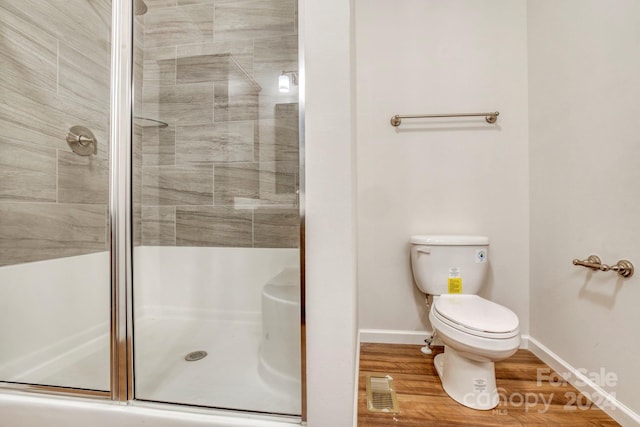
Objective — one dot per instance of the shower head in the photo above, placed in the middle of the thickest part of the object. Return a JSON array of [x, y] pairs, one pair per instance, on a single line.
[[140, 7]]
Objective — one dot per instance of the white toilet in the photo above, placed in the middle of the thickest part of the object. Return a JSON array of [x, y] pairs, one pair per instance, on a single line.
[[475, 332]]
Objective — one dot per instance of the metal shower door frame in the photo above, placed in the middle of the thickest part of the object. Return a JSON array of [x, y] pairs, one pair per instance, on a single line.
[[120, 219], [120, 206]]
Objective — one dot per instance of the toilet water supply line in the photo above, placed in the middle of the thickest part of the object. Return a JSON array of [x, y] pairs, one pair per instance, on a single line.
[[429, 340]]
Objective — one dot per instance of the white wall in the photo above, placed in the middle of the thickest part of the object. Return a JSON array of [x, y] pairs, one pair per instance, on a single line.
[[330, 212], [585, 147], [458, 177]]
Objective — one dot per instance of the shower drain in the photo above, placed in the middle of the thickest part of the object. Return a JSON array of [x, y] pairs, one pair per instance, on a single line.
[[195, 355]]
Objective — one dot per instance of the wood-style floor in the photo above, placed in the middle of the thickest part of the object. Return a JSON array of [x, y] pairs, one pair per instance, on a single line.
[[423, 402]]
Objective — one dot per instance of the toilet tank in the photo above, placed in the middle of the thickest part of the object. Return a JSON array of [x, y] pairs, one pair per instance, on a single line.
[[443, 264]]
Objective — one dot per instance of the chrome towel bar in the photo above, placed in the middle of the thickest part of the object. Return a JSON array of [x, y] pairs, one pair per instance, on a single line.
[[489, 117], [623, 267]]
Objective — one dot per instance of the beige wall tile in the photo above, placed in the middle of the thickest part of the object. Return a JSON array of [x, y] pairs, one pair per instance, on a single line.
[[213, 226], [220, 142], [136, 143], [218, 122], [66, 20], [275, 54], [32, 232], [178, 25], [287, 138], [44, 118], [240, 50], [204, 68], [27, 172], [137, 225], [242, 19], [276, 228], [136, 196], [159, 225], [236, 100], [57, 57], [278, 183], [181, 104], [162, 72], [158, 145], [82, 179], [188, 2], [160, 53], [236, 180], [29, 55], [81, 79], [154, 4], [177, 185]]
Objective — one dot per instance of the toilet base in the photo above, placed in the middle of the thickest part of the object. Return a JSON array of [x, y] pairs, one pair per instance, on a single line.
[[469, 382]]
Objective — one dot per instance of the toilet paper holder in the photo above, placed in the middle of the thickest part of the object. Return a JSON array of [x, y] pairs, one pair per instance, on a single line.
[[623, 267]]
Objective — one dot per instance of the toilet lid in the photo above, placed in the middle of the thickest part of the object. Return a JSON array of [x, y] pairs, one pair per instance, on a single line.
[[476, 313]]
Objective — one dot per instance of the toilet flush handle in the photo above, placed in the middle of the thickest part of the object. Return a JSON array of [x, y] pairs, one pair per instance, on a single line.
[[424, 249]]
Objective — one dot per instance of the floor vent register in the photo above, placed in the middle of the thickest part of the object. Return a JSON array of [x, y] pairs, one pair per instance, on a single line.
[[381, 395]]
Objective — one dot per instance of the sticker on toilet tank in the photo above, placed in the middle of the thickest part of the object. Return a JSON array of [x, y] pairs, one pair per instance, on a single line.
[[455, 280], [481, 255]]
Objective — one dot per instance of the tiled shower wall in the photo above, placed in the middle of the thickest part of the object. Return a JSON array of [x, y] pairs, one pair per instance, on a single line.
[[224, 172], [55, 74]]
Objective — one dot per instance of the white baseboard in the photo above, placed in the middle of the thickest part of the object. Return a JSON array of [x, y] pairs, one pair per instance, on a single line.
[[614, 408], [389, 336]]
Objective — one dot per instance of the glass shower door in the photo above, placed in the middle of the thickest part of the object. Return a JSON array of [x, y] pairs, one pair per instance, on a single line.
[[216, 218], [54, 184]]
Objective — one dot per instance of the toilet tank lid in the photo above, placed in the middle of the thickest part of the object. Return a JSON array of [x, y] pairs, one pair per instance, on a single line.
[[448, 240]]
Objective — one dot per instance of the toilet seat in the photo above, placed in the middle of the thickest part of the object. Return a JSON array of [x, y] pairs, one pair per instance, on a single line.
[[477, 316]]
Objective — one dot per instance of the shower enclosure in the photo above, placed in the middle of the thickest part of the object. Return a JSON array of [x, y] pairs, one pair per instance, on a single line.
[[150, 211]]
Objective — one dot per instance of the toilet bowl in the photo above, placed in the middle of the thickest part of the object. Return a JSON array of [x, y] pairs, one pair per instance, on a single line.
[[476, 332]]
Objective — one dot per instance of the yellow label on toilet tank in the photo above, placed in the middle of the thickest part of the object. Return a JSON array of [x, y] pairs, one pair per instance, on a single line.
[[455, 280], [455, 285]]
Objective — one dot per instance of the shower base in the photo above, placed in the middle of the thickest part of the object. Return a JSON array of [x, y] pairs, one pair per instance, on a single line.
[[227, 377]]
